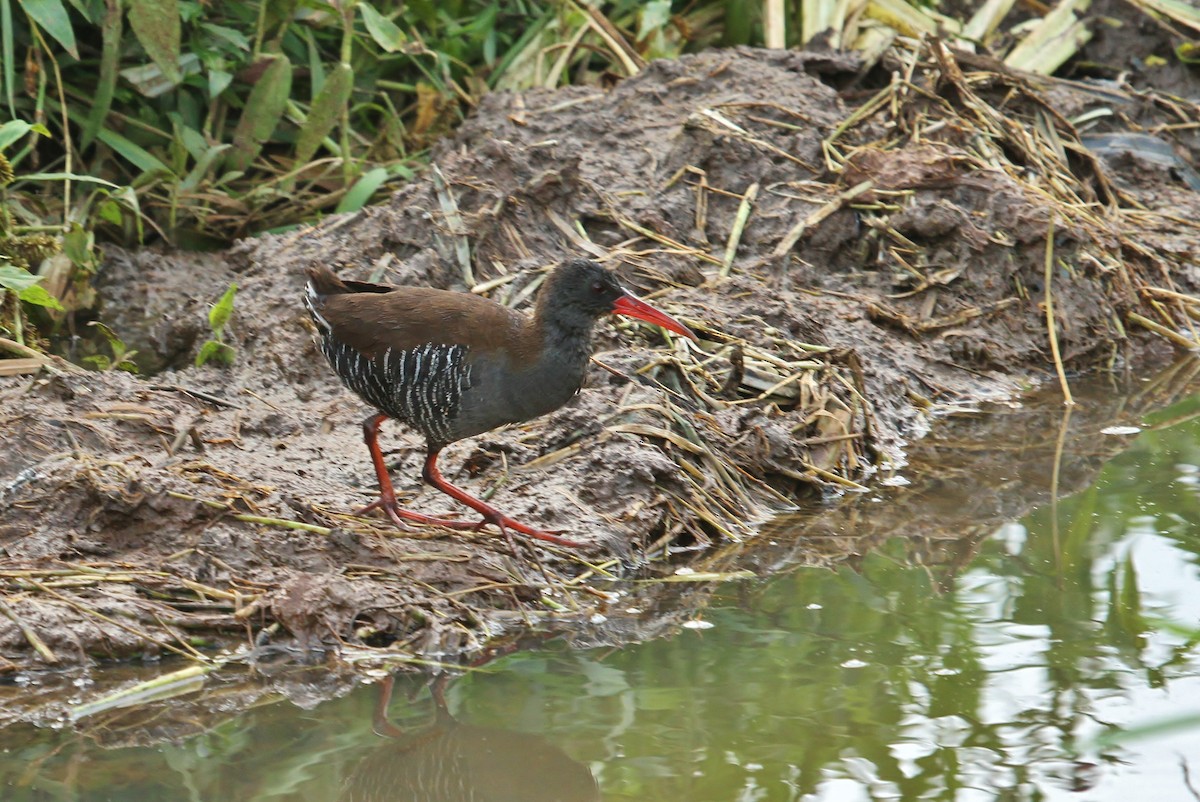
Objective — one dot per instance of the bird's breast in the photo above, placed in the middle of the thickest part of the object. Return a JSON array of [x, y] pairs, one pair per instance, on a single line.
[[502, 393]]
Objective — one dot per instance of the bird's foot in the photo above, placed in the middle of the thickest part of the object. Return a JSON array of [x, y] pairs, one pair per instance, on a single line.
[[399, 515], [504, 524]]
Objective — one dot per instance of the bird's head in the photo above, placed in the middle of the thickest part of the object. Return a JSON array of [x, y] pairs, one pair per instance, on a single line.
[[587, 287]]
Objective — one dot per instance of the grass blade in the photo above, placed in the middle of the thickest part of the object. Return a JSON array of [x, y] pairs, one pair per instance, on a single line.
[[7, 54], [110, 59], [1182, 12], [363, 189], [51, 16], [156, 25], [133, 153], [983, 23], [1052, 41], [168, 686], [264, 109], [1163, 725], [203, 165], [69, 177], [327, 108]]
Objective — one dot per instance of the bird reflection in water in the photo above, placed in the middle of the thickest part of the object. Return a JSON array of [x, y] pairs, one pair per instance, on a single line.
[[449, 761]]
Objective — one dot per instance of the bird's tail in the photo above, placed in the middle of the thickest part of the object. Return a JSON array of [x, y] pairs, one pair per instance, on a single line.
[[321, 284]]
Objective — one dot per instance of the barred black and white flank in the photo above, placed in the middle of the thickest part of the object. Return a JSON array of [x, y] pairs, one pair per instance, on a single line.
[[421, 386]]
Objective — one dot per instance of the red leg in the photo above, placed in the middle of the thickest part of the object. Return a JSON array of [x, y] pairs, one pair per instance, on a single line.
[[387, 496], [490, 514], [382, 725]]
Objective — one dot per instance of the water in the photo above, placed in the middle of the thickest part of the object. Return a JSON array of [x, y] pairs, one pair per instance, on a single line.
[[980, 641]]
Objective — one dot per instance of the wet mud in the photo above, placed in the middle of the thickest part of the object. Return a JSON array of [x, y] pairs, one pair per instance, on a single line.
[[849, 280], [932, 513]]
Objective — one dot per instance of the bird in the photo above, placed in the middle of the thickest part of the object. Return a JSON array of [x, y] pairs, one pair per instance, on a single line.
[[452, 365], [448, 760]]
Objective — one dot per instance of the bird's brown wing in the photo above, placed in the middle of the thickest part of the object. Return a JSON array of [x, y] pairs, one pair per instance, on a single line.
[[371, 321]]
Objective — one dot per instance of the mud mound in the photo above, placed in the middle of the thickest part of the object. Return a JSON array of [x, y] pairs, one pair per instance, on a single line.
[[850, 267]]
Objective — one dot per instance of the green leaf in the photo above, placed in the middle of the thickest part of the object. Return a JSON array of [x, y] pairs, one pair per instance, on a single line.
[[226, 354], [264, 108], [316, 68], [110, 57], [156, 25], [85, 9], [382, 30], [110, 212], [192, 10], [98, 361], [218, 82], [654, 16], [8, 54], [150, 80], [51, 16], [135, 154], [363, 189], [214, 350], [114, 342], [91, 179], [218, 316], [327, 107], [38, 296], [203, 165], [207, 352], [13, 130], [17, 279], [231, 35], [127, 196], [77, 245], [192, 140]]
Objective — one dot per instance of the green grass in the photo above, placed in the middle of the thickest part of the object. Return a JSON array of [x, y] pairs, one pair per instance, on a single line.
[[195, 123], [210, 121]]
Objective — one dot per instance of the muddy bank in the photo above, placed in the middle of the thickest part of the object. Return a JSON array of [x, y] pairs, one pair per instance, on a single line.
[[937, 518], [854, 262]]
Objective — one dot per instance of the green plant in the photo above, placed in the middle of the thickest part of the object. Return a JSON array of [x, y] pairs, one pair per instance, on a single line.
[[216, 348], [20, 248], [231, 118], [17, 279], [122, 356]]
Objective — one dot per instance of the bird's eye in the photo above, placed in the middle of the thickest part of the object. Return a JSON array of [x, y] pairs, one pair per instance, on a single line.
[[597, 287]]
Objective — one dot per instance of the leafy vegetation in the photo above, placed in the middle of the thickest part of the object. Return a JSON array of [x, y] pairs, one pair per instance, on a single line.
[[122, 356], [216, 349], [196, 123], [214, 121], [19, 249]]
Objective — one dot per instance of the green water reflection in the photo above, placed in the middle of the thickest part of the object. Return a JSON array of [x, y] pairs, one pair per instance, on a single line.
[[986, 677]]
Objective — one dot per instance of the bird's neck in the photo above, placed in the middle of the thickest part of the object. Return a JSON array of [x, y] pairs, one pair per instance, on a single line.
[[565, 342], [559, 347]]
